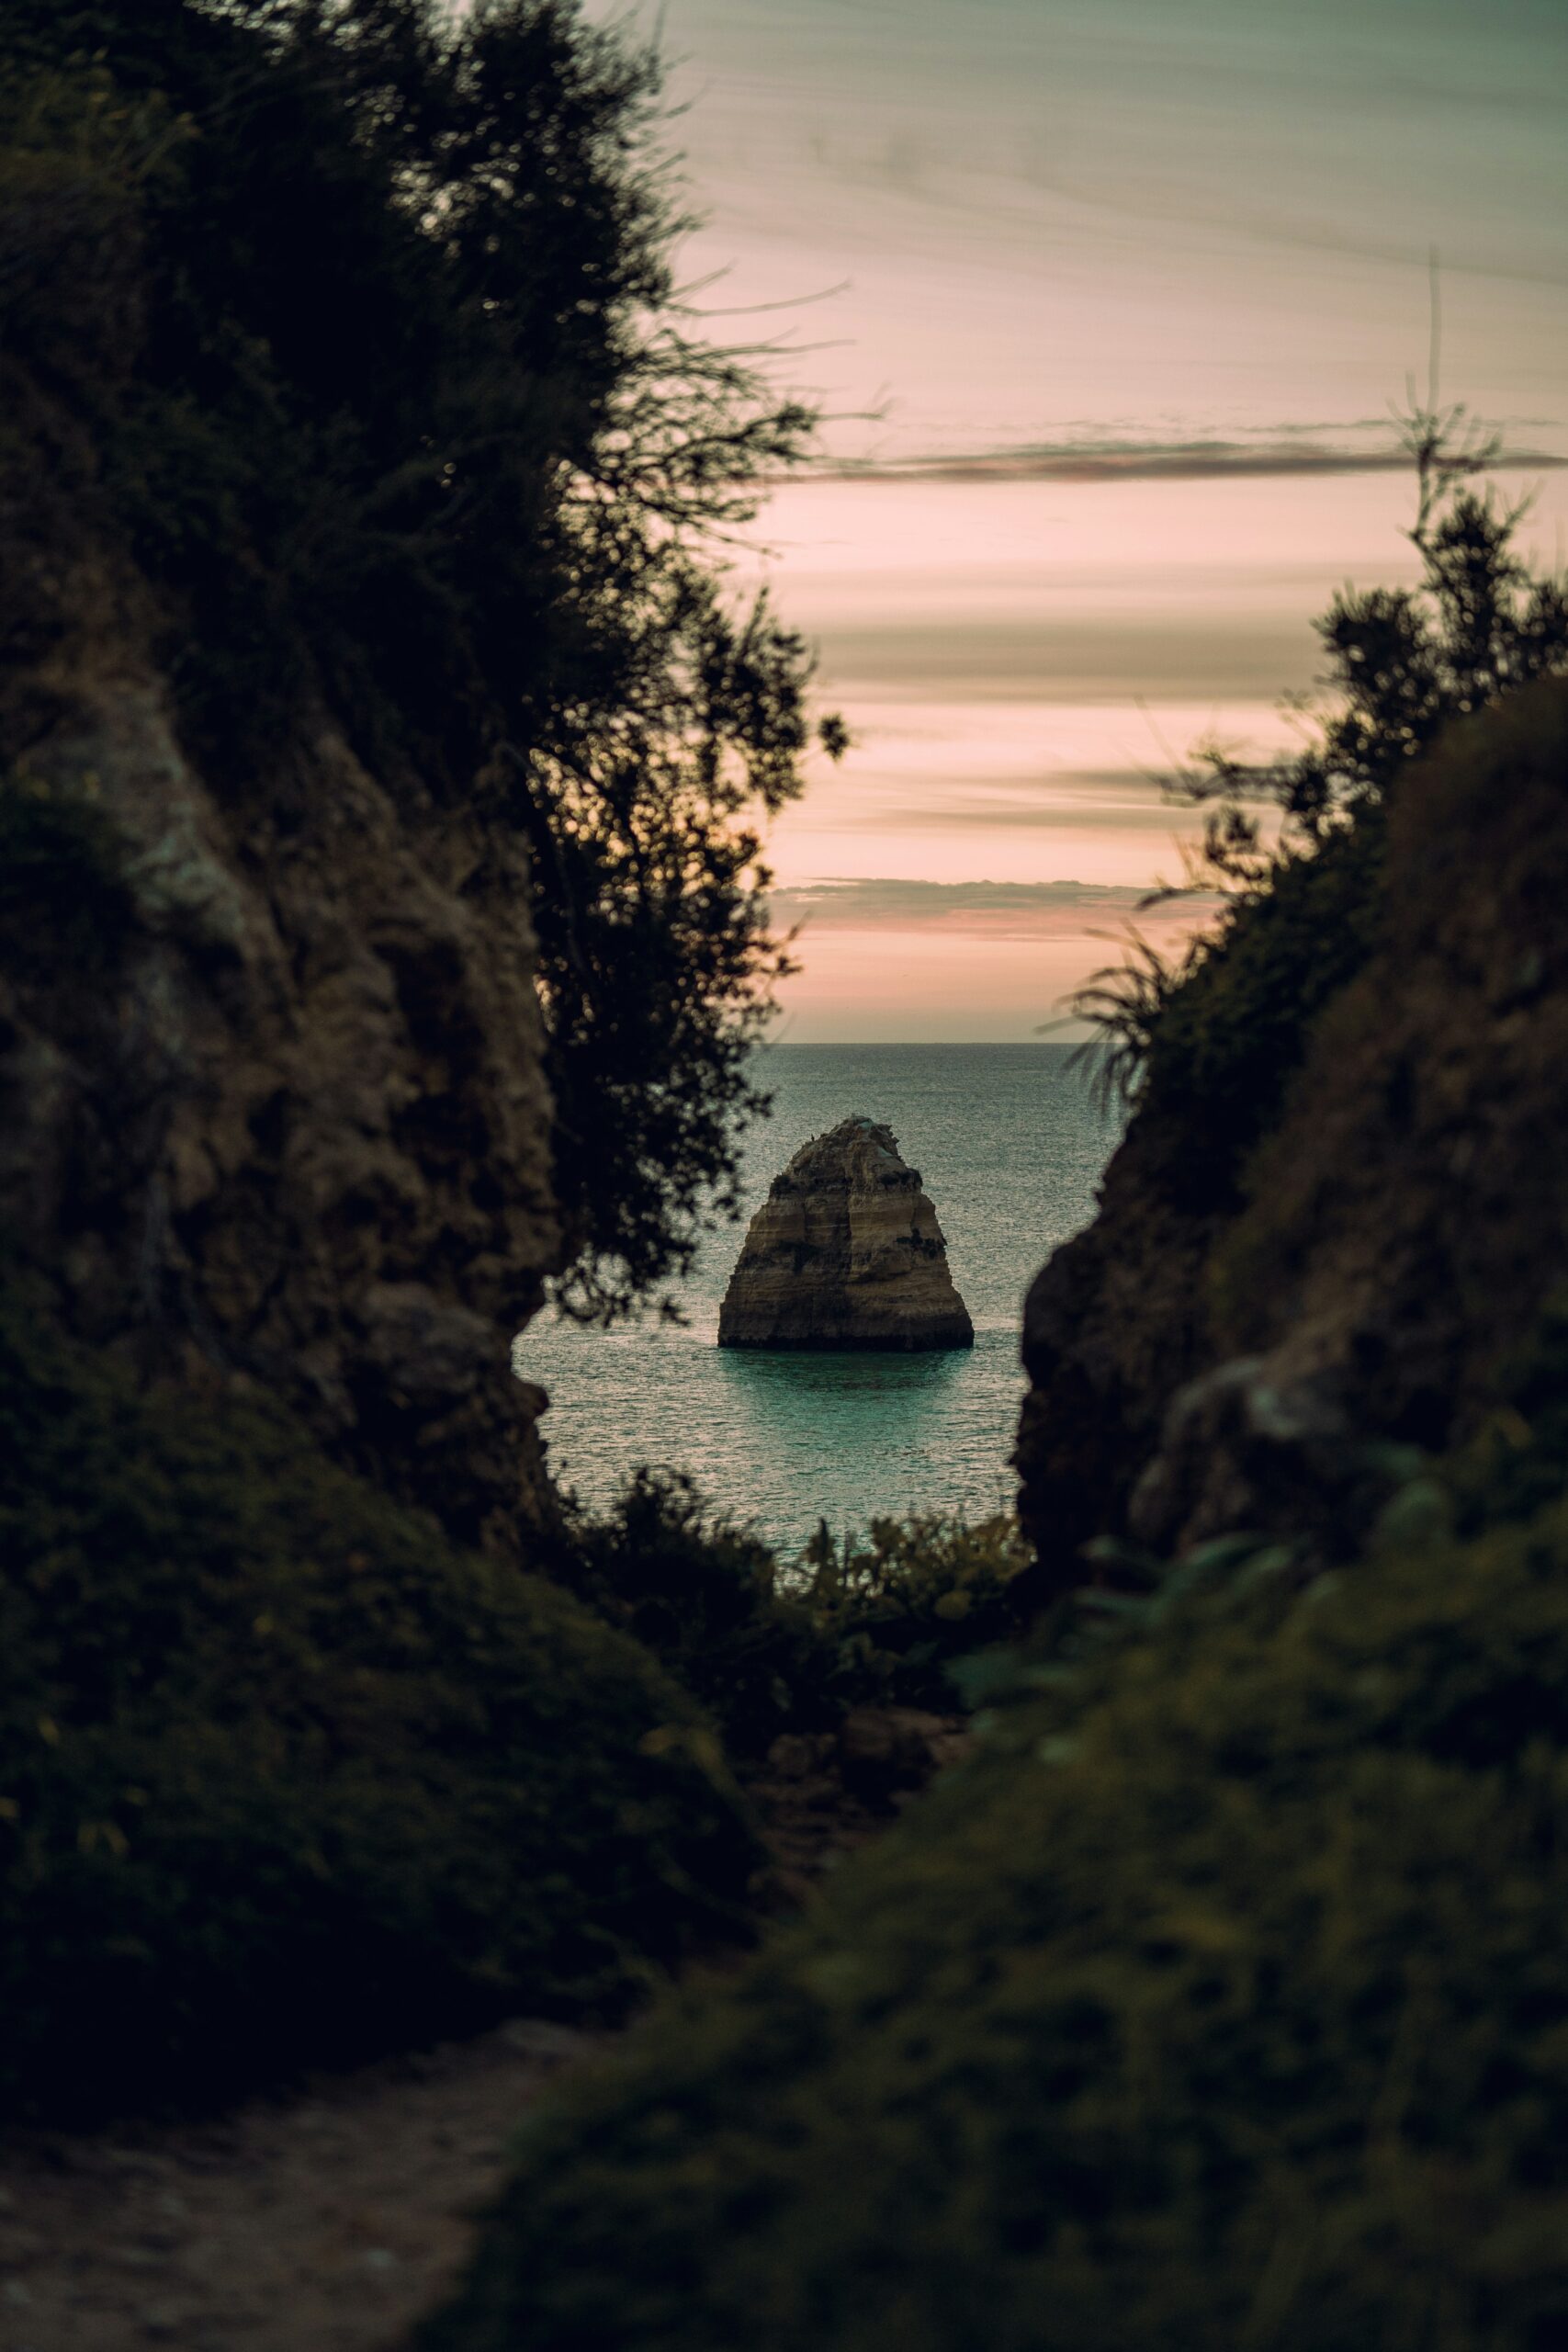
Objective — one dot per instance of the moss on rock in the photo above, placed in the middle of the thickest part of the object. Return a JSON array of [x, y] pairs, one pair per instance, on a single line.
[[286, 1779], [1222, 2001]]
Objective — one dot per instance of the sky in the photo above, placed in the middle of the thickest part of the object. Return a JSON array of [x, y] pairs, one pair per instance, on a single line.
[[1105, 301]]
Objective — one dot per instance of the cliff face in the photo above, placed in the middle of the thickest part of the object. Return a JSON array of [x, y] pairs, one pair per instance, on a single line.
[[283, 1118], [845, 1252], [1209, 1356]]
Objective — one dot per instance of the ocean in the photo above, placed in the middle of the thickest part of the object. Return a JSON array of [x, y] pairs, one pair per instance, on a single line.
[[1012, 1147]]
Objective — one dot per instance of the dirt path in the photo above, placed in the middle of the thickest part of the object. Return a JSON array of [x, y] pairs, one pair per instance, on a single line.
[[326, 2223], [332, 2220]]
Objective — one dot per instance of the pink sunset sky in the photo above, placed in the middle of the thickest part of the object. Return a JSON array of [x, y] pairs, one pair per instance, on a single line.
[[1128, 285]]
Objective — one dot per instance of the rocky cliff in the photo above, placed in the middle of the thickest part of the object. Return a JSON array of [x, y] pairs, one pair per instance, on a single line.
[[271, 1099], [1289, 1275], [845, 1252]]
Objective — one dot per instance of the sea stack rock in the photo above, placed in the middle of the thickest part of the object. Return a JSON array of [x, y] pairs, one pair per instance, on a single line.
[[845, 1252]]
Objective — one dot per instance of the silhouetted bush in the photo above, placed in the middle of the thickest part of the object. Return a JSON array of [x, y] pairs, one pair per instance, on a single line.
[[767, 1648], [1402, 663], [707, 1598], [284, 1778], [1224, 1024]]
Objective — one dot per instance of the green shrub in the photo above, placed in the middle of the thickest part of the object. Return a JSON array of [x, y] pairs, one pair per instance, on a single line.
[[1207, 1043], [1221, 2002], [285, 1779], [903, 1603], [1514, 1464], [768, 1649], [707, 1599], [1229, 1037]]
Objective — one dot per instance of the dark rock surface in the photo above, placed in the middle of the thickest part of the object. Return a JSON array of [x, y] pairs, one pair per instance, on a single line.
[[845, 1252], [288, 1126]]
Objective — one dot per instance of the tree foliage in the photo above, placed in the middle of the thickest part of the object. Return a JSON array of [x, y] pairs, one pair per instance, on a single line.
[[1401, 664], [357, 320]]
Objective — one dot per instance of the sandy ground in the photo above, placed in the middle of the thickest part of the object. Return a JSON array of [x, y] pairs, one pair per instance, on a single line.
[[325, 2223]]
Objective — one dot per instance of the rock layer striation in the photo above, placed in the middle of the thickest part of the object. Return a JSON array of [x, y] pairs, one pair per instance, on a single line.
[[845, 1252]]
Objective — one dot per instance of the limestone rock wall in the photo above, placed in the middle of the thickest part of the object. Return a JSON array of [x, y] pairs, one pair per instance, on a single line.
[[845, 1252], [294, 1130]]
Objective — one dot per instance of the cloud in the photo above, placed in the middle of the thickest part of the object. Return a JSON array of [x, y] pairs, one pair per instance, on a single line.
[[1231, 653], [1033, 910], [1285, 453]]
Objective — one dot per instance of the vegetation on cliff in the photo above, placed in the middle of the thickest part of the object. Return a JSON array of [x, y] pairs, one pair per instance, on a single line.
[[1214, 1037], [1220, 1999], [286, 1779], [1334, 1198], [355, 324]]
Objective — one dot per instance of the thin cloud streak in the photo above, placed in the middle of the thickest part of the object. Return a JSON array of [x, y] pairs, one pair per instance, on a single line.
[[1026, 911], [1154, 461]]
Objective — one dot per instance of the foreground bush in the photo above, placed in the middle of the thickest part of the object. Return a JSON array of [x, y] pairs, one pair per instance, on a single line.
[[1222, 2001], [285, 1779]]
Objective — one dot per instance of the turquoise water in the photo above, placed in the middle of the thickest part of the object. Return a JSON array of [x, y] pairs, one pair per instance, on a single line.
[[1011, 1149]]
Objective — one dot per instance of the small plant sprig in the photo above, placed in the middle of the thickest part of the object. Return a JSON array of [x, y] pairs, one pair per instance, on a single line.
[[1402, 663]]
